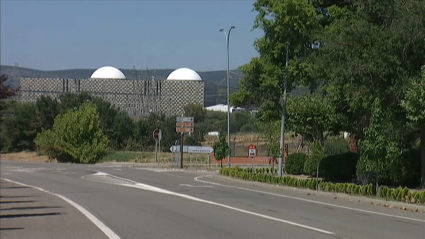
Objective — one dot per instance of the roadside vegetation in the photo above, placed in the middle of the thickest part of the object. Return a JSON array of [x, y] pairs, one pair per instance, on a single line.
[[363, 62]]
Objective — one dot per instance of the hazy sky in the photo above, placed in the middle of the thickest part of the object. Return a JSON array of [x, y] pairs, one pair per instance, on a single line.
[[53, 35]]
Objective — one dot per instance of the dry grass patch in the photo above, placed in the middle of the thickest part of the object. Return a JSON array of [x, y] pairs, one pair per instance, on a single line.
[[26, 156]]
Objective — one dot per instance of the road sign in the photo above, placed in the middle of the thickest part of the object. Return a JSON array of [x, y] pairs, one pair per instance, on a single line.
[[176, 148], [200, 149], [252, 150], [185, 124], [184, 130], [192, 149], [185, 119], [157, 134]]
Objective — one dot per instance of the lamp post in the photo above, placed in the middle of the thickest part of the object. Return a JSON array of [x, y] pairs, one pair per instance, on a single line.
[[282, 129], [227, 35]]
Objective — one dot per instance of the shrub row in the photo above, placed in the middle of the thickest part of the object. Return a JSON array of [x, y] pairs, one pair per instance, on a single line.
[[402, 194], [261, 175], [348, 188], [248, 174]]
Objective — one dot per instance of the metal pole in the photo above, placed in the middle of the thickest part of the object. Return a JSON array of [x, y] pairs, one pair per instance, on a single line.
[[156, 151], [159, 151], [228, 88], [282, 129], [181, 150]]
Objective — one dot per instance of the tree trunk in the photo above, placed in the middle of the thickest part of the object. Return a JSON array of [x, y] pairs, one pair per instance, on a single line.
[[422, 156]]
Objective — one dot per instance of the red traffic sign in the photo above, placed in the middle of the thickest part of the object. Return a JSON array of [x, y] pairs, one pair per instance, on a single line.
[[157, 134], [252, 150]]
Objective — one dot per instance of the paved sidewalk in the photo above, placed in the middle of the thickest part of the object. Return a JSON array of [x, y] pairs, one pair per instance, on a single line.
[[26, 212]]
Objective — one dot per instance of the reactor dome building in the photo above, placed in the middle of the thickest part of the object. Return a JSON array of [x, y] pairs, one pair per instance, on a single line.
[[138, 96]]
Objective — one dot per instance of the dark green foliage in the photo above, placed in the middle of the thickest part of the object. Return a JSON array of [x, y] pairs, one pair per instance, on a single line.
[[47, 110], [121, 129], [339, 167], [20, 128], [336, 146], [406, 170], [196, 111], [310, 167], [295, 163]]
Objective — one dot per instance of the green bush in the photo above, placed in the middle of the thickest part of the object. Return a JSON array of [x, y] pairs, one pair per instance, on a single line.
[[295, 163], [310, 167], [76, 136]]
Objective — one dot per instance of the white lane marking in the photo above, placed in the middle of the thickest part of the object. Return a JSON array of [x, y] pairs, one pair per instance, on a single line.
[[308, 200], [86, 213], [196, 186], [160, 190]]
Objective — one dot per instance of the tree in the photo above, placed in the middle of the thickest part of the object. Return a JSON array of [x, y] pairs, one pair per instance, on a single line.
[[221, 148], [269, 130], [197, 111], [122, 129], [47, 110], [19, 129], [383, 153], [311, 116], [76, 136], [289, 23], [5, 91], [367, 51], [116, 124], [71, 101], [414, 104]]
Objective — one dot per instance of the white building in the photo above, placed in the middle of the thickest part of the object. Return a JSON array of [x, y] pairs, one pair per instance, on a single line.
[[223, 108]]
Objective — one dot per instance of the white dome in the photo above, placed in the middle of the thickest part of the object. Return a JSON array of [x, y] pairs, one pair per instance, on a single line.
[[184, 74], [108, 72]]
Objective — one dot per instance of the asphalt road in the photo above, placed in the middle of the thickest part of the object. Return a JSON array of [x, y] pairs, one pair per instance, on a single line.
[[153, 203]]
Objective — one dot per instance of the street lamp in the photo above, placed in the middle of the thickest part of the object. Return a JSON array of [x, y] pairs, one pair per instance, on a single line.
[[227, 35], [282, 129]]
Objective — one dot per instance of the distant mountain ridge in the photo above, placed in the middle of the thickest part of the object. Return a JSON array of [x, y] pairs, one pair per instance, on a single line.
[[215, 81]]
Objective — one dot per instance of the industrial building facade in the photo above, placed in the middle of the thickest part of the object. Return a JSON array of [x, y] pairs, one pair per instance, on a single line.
[[135, 96]]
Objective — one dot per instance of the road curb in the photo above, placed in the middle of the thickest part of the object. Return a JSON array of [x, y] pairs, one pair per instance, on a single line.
[[373, 201]]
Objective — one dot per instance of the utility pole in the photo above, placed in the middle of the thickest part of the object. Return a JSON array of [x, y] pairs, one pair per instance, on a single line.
[[282, 129]]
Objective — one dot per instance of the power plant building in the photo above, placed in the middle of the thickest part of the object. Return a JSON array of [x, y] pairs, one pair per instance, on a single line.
[[138, 97]]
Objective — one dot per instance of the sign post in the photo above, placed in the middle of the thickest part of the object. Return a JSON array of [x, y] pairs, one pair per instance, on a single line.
[[252, 153], [157, 135], [184, 124]]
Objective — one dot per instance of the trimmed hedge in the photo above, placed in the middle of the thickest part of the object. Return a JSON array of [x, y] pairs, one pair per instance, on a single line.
[[261, 175], [295, 163]]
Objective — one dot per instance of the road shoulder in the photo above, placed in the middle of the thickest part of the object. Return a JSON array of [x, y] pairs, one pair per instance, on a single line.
[[30, 213]]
